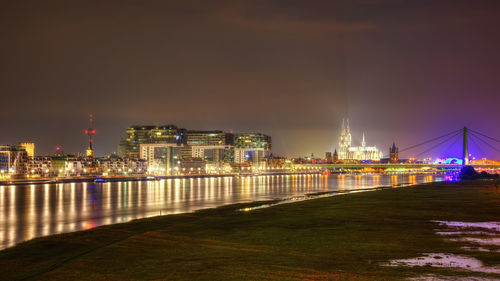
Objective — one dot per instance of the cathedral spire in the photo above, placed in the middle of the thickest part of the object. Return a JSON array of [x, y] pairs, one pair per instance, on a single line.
[[363, 143]]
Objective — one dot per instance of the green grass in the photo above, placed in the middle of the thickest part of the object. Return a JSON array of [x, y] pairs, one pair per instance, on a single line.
[[343, 237]]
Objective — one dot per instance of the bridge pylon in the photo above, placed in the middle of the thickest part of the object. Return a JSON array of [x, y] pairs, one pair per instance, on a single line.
[[465, 148]]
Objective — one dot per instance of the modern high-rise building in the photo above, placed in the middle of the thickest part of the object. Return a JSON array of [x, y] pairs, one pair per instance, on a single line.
[[358, 153], [252, 141], [165, 148], [161, 158], [129, 147], [210, 146], [165, 156], [251, 147], [208, 138]]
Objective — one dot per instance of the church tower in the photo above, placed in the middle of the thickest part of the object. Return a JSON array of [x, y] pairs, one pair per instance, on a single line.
[[344, 140], [335, 157], [394, 153], [364, 152]]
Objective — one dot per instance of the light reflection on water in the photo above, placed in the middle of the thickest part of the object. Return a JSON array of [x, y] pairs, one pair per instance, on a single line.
[[37, 210]]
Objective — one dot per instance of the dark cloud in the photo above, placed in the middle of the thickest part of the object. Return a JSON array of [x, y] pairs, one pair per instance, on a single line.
[[401, 70]]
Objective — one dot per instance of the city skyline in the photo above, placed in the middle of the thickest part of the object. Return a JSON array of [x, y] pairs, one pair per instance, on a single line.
[[449, 148], [400, 72]]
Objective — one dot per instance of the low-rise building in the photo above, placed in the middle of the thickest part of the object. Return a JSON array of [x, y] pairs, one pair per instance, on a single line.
[[193, 166], [121, 166], [276, 163], [41, 165]]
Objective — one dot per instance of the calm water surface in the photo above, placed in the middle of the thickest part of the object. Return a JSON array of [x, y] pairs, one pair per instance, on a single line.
[[37, 210]]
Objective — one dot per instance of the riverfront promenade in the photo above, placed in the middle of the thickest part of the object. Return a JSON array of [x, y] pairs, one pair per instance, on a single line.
[[25, 181], [347, 237]]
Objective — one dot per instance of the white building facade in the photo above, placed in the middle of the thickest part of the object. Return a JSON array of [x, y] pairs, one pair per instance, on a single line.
[[347, 151]]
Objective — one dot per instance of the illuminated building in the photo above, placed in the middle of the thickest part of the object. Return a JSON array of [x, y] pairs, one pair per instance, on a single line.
[[251, 147], [164, 148], [166, 156], [69, 165], [120, 166], [394, 153], [63, 166], [335, 157], [345, 141], [328, 157], [484, 161], [136, 166], [211, 146], [90, 166], [358, 153], [193, 166], [447, 161], [279, 163], [73, 166], [13, 161], [137, 135], [161, 158], [209, 138], [40, 165], [29, 147]]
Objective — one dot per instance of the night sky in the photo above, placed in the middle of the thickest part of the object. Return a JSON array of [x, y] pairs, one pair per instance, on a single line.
[[402, 71]]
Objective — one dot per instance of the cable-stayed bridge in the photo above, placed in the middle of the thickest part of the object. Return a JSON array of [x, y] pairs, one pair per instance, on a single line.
[[391, 166], [445, 145]]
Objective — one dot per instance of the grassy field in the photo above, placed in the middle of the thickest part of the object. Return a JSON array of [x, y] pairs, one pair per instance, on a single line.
[[344, 237]]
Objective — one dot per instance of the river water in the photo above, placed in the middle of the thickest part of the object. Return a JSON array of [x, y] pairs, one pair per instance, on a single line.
[[38, 210]]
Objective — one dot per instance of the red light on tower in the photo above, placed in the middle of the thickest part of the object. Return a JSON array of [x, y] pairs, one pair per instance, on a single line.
[[90, 132]]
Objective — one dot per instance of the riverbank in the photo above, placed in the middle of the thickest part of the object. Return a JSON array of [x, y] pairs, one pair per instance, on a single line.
[[28, 181], [348, 237]]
